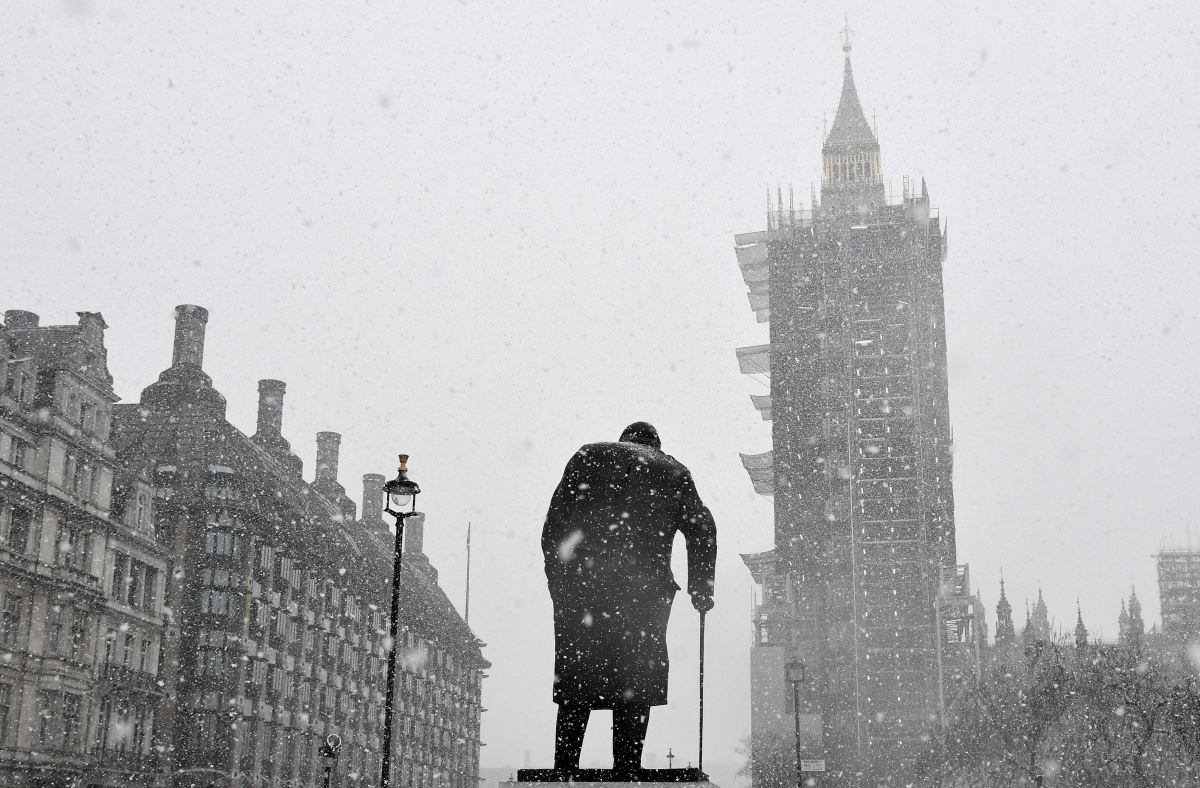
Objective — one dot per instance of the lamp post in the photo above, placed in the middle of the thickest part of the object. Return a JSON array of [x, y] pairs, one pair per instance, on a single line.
[[401, 492], [795, 677], [330, 751]]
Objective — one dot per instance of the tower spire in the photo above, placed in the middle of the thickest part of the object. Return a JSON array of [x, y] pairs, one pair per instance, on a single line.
[[850, 150], [1006, 633], [1137, 627], [467, 600]]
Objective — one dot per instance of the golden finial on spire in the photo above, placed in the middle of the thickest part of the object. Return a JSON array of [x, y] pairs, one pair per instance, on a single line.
[[846, 37]]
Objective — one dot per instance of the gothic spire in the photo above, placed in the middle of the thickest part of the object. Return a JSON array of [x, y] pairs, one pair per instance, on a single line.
[[1006, 634], [1041, 618], [850, 127], [1137, 627], [1081, 633]]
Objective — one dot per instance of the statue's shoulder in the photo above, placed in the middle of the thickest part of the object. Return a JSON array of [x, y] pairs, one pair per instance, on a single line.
[[662, 463], [674, 466], [600, 449], [621, 453]]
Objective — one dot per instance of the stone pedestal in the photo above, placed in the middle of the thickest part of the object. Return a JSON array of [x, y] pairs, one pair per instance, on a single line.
[[607, 778]]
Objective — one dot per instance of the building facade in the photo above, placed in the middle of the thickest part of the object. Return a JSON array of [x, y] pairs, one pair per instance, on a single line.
[[82, 574], [178, 606], [1179, 601], [282, 596], [860, 463]]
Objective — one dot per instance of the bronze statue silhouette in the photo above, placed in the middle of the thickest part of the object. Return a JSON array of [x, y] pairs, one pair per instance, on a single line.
[[607, 545]]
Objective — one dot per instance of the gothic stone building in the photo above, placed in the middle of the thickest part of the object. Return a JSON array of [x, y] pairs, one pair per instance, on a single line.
[[81, 571], [860, 464], [282, 598]]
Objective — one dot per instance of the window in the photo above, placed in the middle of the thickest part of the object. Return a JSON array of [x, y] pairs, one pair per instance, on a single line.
[[289, 749], [127, 654], [54, 629], [142, 505], [58, 714], [79, 636], [106, 711], [223, 491], [74, 547], [204, 735], [268, 740], [307, 747], [70, 465], [137, 576], [145, 656], [216, 602], [211, 661], [82, 481], [151, 596], [20, 519], [87, 416], [248, 749], [5, 710], [92, 491], [218, 578], [24, 389], [223, 543], [139, 728], [20, 454], [10, 619], [119, 574], [70, 718]]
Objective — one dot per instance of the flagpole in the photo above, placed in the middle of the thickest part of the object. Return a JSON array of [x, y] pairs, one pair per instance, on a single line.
[[467, 604]]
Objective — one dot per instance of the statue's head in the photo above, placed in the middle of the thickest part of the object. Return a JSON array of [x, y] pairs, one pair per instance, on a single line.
[[643, 433]]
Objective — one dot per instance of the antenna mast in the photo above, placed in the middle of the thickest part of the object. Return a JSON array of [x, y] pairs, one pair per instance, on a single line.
[[467, 604]]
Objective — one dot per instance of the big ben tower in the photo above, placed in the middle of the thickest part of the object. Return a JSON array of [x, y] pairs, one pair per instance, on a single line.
[[859, 467]]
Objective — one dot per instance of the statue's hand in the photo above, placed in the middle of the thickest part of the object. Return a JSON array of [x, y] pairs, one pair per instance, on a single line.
[[702, 602]]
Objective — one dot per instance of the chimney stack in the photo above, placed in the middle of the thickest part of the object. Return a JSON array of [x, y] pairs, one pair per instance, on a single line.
[[328, 444], [16, 319], [372, 499], [190, 321], [414, 534], [270, 409]]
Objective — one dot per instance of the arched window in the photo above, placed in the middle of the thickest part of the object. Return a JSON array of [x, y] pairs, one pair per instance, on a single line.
[[142, 504]]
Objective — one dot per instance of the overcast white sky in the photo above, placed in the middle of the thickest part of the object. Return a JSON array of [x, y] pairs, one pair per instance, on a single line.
[[487, 233]]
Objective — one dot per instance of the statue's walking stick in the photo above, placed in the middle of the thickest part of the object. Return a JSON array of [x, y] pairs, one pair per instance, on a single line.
[[700, 758]]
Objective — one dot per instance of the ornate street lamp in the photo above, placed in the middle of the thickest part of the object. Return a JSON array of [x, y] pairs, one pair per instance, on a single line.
[[401, 492]]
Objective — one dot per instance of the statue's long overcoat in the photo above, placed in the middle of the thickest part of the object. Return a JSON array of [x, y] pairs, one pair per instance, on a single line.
[[607, 544]]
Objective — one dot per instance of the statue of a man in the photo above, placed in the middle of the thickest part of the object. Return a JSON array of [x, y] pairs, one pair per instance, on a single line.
[[607, 544]]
